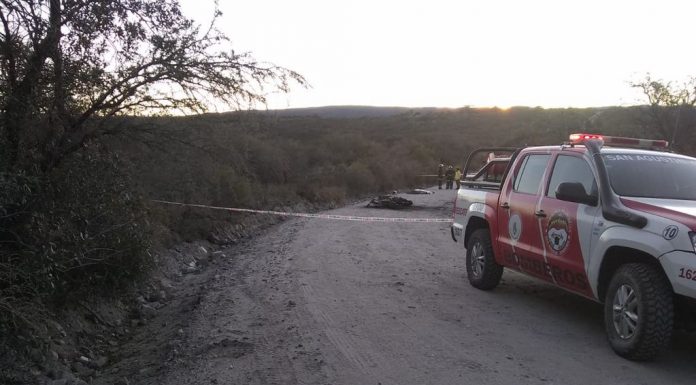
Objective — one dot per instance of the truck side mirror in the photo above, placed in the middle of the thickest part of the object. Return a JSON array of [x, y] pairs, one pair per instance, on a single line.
[[575, 192]]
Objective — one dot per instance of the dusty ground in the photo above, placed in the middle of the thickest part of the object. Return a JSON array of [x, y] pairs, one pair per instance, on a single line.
[[331, 302]]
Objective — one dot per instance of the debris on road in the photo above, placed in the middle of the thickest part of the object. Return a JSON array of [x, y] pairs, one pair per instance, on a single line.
[[389, 201], [420, 191]]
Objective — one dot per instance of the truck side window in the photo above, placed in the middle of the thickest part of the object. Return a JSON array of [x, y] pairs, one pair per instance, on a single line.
[[530, 174], [572, 169], [492, 172]]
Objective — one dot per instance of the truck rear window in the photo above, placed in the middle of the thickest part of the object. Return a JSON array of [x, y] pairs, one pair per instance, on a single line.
[[652, 176]]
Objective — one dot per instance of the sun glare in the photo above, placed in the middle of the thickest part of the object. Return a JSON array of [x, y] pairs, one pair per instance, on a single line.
[[446, 53]]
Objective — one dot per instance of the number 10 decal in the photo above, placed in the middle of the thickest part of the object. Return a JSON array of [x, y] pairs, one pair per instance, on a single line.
[[670, 232]]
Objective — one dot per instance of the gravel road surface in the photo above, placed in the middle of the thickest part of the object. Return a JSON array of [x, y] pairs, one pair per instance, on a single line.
[[332, 302]]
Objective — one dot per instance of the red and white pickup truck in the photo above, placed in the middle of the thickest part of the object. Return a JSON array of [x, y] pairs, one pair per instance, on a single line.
[[592, 216]]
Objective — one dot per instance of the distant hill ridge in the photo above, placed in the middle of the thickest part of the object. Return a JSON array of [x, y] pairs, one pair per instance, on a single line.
[[354, 112], [343, 112]]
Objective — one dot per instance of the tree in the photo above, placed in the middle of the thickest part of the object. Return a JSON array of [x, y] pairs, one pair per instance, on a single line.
[[72, 71], [670, 107], [66, 66]]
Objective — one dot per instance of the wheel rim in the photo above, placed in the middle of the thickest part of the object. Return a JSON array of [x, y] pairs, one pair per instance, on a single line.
[[477, 260], [625, 308]]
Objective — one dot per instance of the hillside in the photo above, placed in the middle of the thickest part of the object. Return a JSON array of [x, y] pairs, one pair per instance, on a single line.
[[277, 159]]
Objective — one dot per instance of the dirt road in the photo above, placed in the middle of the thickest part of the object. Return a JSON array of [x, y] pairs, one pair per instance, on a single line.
[[331, 302]]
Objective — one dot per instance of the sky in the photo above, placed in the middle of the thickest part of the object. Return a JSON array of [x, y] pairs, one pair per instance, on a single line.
[[439, 53]]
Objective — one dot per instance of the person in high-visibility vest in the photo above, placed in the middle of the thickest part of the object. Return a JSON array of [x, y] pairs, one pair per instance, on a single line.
[[449, 176], [458, 177]]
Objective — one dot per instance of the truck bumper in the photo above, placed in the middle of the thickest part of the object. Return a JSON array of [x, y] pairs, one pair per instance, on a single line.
[[680, 267], [457, 231]]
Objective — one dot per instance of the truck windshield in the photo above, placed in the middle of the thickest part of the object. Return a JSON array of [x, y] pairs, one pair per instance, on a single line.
[[652, 176]]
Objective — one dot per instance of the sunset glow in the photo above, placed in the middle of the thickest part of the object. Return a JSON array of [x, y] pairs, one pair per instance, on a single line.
[[457, 53]]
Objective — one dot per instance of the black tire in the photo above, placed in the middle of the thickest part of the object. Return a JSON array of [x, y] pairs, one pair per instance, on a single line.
[[481, 268], [642, 291]]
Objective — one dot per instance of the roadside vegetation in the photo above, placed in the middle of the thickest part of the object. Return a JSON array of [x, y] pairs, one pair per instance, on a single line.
[[71, 74]]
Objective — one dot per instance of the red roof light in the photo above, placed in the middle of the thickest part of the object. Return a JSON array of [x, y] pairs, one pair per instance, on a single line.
[[580, 138], [619, 141]]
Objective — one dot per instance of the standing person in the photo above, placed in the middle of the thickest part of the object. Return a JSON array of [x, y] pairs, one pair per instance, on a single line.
[[449, 175], [458, 178], [440, 175]]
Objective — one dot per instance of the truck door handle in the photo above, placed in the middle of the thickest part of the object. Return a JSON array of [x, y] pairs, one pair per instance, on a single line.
[[540, 213], [506, 206]]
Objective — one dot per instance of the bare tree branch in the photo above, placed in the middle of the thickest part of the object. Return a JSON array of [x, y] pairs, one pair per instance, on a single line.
[[66, 63]]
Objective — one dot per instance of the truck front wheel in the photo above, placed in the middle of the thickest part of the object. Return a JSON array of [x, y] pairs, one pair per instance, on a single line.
[[482, 270], [639, 312]]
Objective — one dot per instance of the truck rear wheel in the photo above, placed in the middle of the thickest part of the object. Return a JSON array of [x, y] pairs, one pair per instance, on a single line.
[[481, 268], [639, 312]]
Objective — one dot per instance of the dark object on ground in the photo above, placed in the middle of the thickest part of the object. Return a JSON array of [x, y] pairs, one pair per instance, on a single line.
[[420, 191], [390, 202]]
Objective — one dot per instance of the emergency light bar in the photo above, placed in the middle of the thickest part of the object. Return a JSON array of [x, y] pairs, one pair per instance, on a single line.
[[619, 141]]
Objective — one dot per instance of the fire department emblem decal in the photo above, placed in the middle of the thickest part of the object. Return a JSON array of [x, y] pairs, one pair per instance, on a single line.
[[558, 232], [515, 227]]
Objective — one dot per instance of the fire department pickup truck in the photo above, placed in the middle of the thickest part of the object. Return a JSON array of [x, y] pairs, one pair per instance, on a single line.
[[608, 218]]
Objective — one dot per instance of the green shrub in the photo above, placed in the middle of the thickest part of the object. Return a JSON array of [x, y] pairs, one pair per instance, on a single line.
[[77, 230], [359, 179], [17, 293]]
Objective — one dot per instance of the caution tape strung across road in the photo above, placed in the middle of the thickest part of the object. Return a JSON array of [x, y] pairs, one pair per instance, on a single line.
[[319, 216]]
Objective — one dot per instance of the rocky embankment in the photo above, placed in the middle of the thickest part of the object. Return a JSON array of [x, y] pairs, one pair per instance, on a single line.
[[115, 340]]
